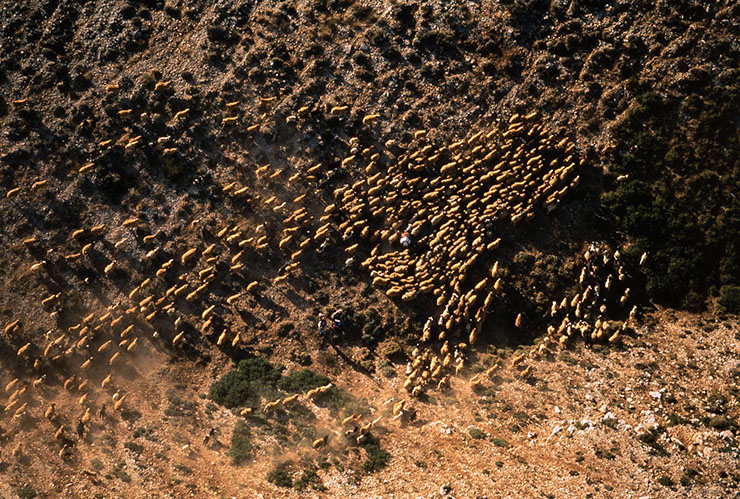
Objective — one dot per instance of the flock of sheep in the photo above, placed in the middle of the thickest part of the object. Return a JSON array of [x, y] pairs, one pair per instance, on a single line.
[[436, 211], [447, 205]]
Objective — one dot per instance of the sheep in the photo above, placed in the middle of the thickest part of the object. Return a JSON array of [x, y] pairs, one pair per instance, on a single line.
[[37, 266], [324, 389], [443, 383], [221, 338], [68, 383], [22, 350], [179, 337], [208, 311], [271, 405], [126, 331], [11, 405], [37, 382], [398, 408], [351, 419], [10, 328], [11, 385], [118, 403], [104, 346], [518, 358], [633, 312], [289, 400], [320, 442], [187, 255], [132, 345]]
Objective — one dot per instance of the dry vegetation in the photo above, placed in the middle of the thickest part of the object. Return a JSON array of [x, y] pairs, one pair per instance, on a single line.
[[501, 197]]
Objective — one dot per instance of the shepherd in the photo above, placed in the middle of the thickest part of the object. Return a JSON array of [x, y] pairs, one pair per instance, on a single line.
[[338, 318], [322, 325]]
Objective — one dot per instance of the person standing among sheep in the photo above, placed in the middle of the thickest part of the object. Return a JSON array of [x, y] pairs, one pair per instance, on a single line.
[[322, 325], [406, 239], [338, 318]]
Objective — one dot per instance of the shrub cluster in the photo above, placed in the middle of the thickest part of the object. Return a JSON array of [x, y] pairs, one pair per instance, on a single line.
[[302, 381], [677, 164], [241, 446]]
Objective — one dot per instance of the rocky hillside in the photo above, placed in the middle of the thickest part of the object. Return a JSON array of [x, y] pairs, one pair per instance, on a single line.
[[185, 185]]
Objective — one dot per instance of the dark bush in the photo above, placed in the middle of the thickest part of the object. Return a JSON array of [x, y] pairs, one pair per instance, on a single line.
[[232, 390], [302, 381], [26, 492], [675, 200], [499, 442], [666, 481], [729, 299], [309, 478], [376, 459], [279, 476], [476, 433], [253, 377], [393, 350], [241, 446]]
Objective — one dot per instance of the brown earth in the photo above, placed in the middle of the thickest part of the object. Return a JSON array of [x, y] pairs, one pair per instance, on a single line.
[[448, 69]]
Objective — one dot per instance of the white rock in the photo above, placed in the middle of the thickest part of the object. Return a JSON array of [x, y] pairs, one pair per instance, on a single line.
[[555, 431]]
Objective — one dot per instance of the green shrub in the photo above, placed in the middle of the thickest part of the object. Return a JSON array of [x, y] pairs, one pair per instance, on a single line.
[[253, 376], [393, 350], [309, 477], [258, 370], [279, 476], [122, 476], [25, 492], [666, 481], [232, 390], [302, 381], [376, 459], [676, 201], [241, 446], [729, 299], [499, 442], [721, 423], [134, 447], [386, 368], [476, 433]]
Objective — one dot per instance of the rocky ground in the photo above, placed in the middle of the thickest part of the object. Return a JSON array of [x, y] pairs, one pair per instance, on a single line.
[[655, 417], [135, 131]]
